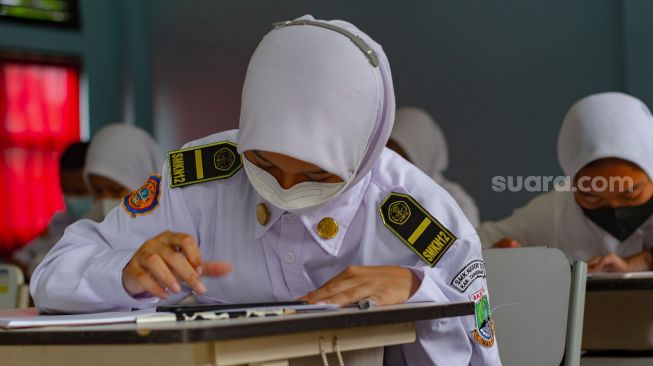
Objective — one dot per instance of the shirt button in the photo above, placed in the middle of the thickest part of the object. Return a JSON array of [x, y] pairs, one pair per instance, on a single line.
[[290, 257]]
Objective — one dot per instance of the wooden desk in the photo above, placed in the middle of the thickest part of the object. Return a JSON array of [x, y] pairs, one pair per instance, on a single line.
[[618, 314], [254, 341]]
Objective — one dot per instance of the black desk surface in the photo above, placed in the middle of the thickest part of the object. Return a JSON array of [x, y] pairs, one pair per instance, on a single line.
[[215, 330], [619, 284]]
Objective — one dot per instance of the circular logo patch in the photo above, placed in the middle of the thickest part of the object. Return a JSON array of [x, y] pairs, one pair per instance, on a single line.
[[399, 212], [145, 199], [224, 159]]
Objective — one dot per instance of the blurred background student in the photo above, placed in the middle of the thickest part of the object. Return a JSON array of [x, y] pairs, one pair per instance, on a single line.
[[418, 138], [77, 198], [605, 217], [95, 178], [119, 160]]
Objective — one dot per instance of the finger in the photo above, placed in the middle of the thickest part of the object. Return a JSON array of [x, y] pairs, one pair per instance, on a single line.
[[615, 264], [180, 267], [150, 285], [596, 267], [514, 244], [351, 296], [330, 289], [189, 247], [594, 261], [348, 273], [504, 243], [604, 264], [157, 267], [215, 268]]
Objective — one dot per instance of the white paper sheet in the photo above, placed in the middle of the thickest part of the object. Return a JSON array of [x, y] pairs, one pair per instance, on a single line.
[[620, 275], [29, 318]]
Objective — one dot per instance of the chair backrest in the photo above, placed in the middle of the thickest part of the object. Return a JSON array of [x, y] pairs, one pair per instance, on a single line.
[[11, 280], [529, 293]]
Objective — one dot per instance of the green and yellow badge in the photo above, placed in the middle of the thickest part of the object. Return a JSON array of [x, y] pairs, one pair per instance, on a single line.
[[484, 332], [416, 227]]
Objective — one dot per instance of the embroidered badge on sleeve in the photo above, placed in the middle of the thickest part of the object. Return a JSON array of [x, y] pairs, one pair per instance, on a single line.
[[484, 332], [199, 164], [470, 273], [416, 227], [145, 199]]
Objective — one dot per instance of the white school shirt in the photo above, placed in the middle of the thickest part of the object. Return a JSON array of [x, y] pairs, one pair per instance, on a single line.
[[33, 252], [283, 260], [555, 219]]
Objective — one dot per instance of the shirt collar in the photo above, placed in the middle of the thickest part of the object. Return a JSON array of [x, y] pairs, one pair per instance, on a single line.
[[342, 209], [274, 213]]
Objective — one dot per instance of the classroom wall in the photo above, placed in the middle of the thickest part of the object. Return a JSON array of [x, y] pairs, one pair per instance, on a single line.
[[498, 76]]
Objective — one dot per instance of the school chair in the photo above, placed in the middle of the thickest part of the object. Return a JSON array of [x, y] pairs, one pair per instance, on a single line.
[[537, 302], [13, 291]]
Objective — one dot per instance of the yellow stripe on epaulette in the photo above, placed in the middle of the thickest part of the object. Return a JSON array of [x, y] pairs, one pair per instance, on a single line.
[[204, 163], [415, 227]]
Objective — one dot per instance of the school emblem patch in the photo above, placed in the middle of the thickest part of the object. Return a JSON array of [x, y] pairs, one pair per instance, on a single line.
[[484, 332], [399, 212], [472, 271], [416, 227], [204, 163], [145, 199]]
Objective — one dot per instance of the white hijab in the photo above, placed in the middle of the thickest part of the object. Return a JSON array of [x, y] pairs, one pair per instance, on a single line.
[[124, 154], [423, 141], [606, 125], [312, 94]]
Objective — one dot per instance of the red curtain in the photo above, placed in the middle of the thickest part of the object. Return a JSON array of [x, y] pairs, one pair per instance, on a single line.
[[39, 117]]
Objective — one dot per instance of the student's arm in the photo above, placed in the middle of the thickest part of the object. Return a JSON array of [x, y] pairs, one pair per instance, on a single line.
[[530, 225], [439, 342], [642, 261], [458, 276], [83, 272]]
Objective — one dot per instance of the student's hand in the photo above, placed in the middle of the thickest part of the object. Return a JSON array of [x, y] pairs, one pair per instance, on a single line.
[[507, 243], [386, 285], [615, 263], [162, 262]]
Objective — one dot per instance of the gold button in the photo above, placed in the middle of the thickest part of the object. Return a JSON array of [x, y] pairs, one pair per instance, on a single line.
[[262, 213], [327, 228]]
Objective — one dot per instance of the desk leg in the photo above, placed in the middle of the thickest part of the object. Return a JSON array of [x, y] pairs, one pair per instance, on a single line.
[[256, 351]]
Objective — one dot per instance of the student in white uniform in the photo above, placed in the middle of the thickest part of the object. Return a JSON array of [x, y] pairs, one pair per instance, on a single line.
[[119, 159], [418, 138], [321, 211], [603, 137], [77, 199]]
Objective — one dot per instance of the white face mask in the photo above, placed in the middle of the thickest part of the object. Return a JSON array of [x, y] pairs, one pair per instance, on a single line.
[[297, 198]]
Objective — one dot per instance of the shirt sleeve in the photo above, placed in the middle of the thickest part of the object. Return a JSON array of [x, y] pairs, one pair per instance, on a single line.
[[530, 225], [458, 276], [83, 272]]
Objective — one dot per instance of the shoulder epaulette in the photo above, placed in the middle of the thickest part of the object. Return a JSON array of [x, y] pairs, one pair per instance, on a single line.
[[219, 160], [415, 227]]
